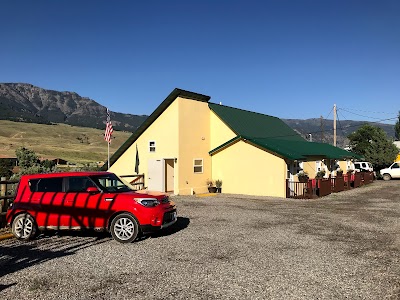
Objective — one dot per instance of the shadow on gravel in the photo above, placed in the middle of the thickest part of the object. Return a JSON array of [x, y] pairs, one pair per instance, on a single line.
[[4, 286], [180, 224], [99, 235], [17, 256]]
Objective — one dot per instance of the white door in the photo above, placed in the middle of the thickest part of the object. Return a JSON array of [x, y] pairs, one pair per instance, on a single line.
[[155, 175], [291, 171]]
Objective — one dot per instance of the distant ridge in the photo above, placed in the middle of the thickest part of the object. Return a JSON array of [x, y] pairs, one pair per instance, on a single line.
[[28, 103], [325, 133]]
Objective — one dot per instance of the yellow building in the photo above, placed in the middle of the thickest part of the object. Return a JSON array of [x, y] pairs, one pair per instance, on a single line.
[[188, 141]]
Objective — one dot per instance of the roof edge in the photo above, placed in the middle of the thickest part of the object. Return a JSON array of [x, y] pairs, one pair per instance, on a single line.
[[226, 144]]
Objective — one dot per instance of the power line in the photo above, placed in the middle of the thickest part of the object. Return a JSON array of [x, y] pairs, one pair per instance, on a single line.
[[375, 112], [359, 114]]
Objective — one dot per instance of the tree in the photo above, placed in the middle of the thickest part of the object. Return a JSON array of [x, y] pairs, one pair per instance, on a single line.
[[28, 162], [397, 128], [373, 143], [27, 158]]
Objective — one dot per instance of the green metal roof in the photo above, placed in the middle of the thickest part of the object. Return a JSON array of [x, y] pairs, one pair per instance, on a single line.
[[294, 150], [252, 124], [301, 150], [159, 110], [272, 134]]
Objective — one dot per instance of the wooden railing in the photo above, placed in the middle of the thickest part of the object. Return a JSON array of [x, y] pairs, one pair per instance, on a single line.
[[7, 194], [347, 178], [137, 181], [323, 187], [299, 190], [337, 184]]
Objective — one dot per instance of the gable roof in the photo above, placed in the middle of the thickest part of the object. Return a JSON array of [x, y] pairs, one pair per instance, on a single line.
[[294, 150], [271, 133], [252, 124], [159, 110]]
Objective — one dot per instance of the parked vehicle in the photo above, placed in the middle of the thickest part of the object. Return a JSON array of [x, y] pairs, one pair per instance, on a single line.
[[392, 172], [87, 200]]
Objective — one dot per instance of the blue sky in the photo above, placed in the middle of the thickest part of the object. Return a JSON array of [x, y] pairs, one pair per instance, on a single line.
[[290, 59]]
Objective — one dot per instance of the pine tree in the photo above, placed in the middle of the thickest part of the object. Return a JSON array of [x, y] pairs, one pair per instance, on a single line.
[[374, 145]]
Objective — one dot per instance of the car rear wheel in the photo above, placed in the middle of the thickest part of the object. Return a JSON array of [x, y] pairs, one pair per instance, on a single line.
[[124, 228], [386, 177], [24, 227]]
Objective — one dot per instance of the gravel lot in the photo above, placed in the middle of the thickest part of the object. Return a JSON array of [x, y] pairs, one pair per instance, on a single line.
[[345, 246]]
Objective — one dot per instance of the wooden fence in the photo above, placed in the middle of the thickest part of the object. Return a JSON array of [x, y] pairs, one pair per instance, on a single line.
[[7, 194], [322, 187], [137, 181]]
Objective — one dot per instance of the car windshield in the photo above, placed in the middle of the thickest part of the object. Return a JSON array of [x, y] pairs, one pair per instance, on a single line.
[[110, 183]]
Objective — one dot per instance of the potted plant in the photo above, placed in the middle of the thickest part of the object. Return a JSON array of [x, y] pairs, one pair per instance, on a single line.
[[302, 176], [218, 184], [339, 172], [320, 174], [211, 187]]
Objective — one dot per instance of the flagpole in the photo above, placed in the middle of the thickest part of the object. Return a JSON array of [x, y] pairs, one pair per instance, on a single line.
[[107, 136], [108, 155]]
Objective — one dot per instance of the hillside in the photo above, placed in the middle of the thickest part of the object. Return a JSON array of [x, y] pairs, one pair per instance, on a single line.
[[74, 144], [324, 133], [29, 103]]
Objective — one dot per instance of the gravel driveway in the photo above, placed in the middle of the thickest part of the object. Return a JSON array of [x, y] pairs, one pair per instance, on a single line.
[[344, 246]]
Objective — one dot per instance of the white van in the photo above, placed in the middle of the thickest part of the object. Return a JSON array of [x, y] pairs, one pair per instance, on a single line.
[[361, 166], [392, 172]]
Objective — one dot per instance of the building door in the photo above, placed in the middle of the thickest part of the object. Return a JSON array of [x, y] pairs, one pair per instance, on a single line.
[[155, 172], [291, 171], [169, 175]]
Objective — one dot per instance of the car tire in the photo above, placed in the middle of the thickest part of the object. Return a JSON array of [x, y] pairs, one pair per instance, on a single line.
[[386, 177], [124, 228], [24, 227]]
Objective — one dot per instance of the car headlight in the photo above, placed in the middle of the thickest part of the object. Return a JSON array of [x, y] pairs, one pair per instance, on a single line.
[[147, 202]]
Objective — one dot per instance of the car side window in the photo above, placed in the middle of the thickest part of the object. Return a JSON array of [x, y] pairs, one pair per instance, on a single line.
[[49, 185], [395, 166], [78, 184]]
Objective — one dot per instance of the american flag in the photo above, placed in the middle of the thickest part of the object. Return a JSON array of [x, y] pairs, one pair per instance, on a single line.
[[109, 128]]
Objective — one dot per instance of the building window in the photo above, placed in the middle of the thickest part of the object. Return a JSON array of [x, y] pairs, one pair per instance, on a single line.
[[198, 165], [152, 146]]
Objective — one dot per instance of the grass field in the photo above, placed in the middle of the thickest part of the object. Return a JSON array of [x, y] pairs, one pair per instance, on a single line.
[[72, 143]]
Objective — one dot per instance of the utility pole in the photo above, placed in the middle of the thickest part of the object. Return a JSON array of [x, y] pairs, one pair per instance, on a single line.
[[334, 125]]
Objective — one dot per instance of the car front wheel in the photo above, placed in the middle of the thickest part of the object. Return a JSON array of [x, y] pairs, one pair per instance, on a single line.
[[124, 228], [386, 177], [24, 227]]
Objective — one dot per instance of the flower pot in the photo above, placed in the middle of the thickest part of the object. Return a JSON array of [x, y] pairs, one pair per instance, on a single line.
[[212, 189], [219, 190], [303, 179]]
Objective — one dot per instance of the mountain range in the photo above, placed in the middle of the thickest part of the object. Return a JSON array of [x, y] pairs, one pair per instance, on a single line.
[[28, 103]]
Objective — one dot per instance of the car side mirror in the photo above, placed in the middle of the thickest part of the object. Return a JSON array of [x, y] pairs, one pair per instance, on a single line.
[[92, 190]]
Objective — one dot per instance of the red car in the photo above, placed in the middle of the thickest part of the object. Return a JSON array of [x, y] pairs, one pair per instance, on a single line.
[[86, 200]]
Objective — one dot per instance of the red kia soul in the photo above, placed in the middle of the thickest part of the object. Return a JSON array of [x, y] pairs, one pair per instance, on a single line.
[[86, 200]]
